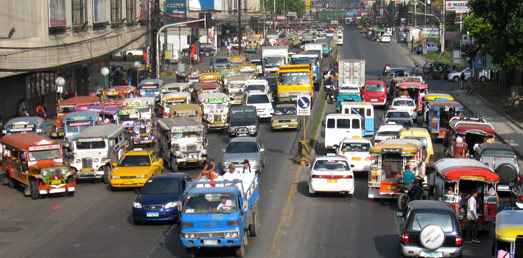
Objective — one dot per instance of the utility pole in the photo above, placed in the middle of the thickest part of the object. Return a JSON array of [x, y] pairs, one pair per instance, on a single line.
[[442, 30], [274, 14], [240, 26], [264, 14], [155, 22], [415, 5]]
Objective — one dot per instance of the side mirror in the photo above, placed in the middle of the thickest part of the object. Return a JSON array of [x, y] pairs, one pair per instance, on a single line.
[[114, 164], [307, 165], [156, 163]]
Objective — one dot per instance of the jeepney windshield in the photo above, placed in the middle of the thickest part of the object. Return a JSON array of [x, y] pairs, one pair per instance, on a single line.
[[294, 78], [210, 203], [88, 144], [193, 134], [236, 85], [215, 106], [66, 108], [304, 61], [276, 60], [421, 139], [44, 155], [113, 97], [77, 126], [259, 87]]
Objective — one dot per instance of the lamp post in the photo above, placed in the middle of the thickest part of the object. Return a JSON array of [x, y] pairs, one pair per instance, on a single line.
[[137, 66], [105, 73], [60, 82]]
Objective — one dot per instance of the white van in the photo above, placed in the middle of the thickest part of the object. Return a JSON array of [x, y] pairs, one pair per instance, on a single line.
[[341, 126], [363, 109]]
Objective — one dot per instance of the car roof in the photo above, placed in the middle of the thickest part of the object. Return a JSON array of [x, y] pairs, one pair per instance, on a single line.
[[356, 140], [386, 127], [329, 158], [286, 105], [137, 152], [430, 205], [402, 98], [244, 139], [495, 146]]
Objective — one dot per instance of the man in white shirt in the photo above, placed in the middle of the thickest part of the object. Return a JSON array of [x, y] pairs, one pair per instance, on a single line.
[[232, 175], [472, 216], [225, 204]]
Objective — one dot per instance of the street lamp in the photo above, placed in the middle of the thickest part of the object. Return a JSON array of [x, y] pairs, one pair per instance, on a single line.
[[60, 82], [137, 66], [105, 73]]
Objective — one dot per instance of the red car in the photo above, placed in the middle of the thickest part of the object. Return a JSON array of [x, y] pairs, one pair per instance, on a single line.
[[375, 92]]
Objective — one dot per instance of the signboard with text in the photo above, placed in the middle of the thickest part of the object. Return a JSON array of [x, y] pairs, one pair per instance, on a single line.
[[303, 106], [457, 6], [176, 10]]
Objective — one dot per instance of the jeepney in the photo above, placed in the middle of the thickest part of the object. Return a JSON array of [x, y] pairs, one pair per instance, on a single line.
[[68, 106], [75, 122], [207, 87], [95, 149], [454, 179], [172, 99], [235, 88], [465, 134], [508, 240], [137, 120], [226, 73], [150, 88], [236, 60], [182, 141], [252, 47], [193, 77], [414, 90], [389, 159], [114, 96], [438, 115], [193, 111], [36, 163], [215, 108], [174, 87], [21, 125], [248, 70], [210, 77], [422, 135], [429, 97]]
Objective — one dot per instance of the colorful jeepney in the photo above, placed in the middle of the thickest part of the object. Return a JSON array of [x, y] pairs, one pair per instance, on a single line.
[[215, 108], [438, 115], [114, 96], [193, 77], [508, 240], [21, 125], [389, 160], [193, 111], [414, 90], [210, 77], [465, 135], [68, 106], [235, 88], [75, 122], [174, 98], [207, 87], [294, 81], [150, 88], [248, 70], [36, 163], [136, 117], [235, 60], [456, 179], [226, 73], [429, 97]]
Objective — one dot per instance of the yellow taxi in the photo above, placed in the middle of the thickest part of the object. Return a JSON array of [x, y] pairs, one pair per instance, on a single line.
[[135, 168]]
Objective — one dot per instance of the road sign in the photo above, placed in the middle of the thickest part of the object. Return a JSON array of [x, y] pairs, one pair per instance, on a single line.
[[480, 62], [303, 106]]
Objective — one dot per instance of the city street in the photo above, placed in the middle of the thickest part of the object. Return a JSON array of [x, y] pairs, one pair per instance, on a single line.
[[97, 222]]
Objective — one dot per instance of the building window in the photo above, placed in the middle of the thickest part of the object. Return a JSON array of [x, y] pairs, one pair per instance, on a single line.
[[116, 11], [130, 15], [79, 12], [39, 84]]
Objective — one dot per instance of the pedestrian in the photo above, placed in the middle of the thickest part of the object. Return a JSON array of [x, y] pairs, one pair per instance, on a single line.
[[211, 63], [472, 216], [25, 113], [21, 106], [461, 79], [229, 49], [41, 111], [246, 167]]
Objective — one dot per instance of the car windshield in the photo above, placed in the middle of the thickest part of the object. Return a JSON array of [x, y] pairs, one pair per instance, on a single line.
[[161, 186], [331, 165], [375, 88], [257, 99], [355, 147], [222, 61], [90, 145], [494, 152], [135, 161], [403, 103], [397, 114], [423, 219], [294, 78], [243, 114], [210, 203], [242, 147], [236, 85], [274, 61], [285, 111], [44, 155], [259, 87]]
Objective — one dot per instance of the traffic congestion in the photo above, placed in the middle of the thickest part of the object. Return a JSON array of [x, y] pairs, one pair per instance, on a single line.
[[202, 164]]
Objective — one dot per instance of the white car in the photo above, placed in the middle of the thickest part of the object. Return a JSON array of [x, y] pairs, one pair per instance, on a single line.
[[394, 114], [356, 151], [404, 103], [456, 76], [386, 38], [330, 174], [386, 132], [261, 101]]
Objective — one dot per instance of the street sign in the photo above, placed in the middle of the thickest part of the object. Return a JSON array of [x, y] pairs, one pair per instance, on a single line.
[[480, 62], [303, 106]]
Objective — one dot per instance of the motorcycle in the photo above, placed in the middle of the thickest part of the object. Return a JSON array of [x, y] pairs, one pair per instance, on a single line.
[[407, 194]]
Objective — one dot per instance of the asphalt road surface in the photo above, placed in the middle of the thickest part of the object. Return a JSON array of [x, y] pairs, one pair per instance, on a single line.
[[97, 222]]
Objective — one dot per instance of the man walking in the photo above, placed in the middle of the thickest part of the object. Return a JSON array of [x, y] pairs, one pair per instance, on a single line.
[[472, 216], [461, 79]]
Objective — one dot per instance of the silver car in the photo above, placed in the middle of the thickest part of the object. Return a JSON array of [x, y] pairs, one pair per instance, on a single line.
[[242, 148]]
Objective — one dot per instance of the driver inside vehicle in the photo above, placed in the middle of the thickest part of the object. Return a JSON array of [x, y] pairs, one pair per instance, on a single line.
[[225, 203]]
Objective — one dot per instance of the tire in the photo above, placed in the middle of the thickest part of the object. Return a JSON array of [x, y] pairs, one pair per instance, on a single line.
[[107, 173], [240, 250], [207, 54], [425, 194], [253, 228], [10, 182], [33, 187], [455, 79], [482, 79], [403, 200], [311, 192], [507, 173], [5, 179], [174, 165], [129, 55], [69, 180]]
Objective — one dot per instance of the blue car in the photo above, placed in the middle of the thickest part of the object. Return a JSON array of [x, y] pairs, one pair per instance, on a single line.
[[160, 199]]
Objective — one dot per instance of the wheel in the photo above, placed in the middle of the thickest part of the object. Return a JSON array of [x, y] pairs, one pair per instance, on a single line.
[[456, 79], [483, 79], [425, 194], [130, 55], [253, 228], [240, 250], [70, 180], [33, 187], [107, 174], [10, 182], [174, 165], [403, 200], [189, 252], [5, 179], [311, 192], [207, 54]]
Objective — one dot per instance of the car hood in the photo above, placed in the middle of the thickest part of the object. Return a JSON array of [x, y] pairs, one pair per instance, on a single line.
[[242, 122], [240, 157], [284, 117], [155, 199], [131, 171]]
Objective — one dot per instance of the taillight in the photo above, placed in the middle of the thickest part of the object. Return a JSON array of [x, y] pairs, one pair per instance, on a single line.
[[377, 141], [405, 237], [459, 240], [332, 176], [370, 158], [521, 199]]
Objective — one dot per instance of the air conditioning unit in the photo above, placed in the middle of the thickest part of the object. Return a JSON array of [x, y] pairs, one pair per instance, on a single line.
[[465, 39]]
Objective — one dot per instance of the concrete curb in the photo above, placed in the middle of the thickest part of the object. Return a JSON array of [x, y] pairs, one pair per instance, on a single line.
[[499, 111]]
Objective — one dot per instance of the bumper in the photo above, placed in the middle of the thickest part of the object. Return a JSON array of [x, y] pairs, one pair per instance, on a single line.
[[376, 102], [60, 188], [128, 183], [144, 140], [342, 185], [89, 174], [161, 215], [190, 157], [279, 126], [359, 166], [263, 114], [242, 131], [217, 125], [374, 193], [417, 251], [210, 242]]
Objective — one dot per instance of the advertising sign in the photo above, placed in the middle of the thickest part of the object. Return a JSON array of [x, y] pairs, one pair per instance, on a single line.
[[176, 10], [457, 6], [308, 7], [209, 5], [99, 11], [144, 10], [430, 32], [57, 13]]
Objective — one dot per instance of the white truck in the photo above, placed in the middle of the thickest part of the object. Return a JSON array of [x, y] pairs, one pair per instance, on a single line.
[[273, 57], [314, 48], [351, 70]]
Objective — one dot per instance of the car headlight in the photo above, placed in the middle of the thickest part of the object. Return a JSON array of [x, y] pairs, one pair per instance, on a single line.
[[227, 234], [77, 160], [136, 129], [64, 171], [45, 173], [171, 205], [235, 234], [137, 205], [141, 176], [189, 235], [115, 177]]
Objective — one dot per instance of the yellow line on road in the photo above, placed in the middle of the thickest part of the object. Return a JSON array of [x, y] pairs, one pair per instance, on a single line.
[[285, 216]]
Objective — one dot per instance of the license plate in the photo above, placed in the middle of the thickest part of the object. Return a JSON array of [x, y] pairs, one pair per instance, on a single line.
[[332, 180], [56, 182], [430, 254], [284, 126], [373, 99], [86, 169], [210, 242], [153, 214], [128, 183], [61, 134], [356, 158], [144, 135], [217, 122], [294, 99]]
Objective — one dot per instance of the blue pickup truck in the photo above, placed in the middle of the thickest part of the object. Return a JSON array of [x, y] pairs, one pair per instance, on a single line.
[[219, 214]]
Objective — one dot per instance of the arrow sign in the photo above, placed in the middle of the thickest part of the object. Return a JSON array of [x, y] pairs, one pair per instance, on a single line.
[[303, 106]]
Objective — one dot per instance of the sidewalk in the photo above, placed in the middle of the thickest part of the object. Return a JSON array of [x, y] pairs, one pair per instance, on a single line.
[[508, 130]]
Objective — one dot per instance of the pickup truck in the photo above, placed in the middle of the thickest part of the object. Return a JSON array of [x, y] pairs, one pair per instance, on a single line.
[[218, 214]]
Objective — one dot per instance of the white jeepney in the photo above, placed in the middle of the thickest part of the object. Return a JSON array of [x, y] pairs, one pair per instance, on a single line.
[[174, 98], [215, 108], [182, 141], [236, 87]]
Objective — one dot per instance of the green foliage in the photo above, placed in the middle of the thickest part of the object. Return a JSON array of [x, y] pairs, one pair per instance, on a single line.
[[297, 6], [445, 57], [497, 28]]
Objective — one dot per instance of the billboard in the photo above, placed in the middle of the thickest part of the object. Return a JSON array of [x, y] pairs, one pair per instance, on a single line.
[[457, 6], [57, 13], [176, 10], [144, 10], [308, 7], [206, 5], [430, 32], [99, 11]]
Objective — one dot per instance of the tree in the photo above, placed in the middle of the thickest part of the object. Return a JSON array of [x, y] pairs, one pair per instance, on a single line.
[[497, 28]]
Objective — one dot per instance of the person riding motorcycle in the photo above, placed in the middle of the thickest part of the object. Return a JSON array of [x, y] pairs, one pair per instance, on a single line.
[[412, 182]]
